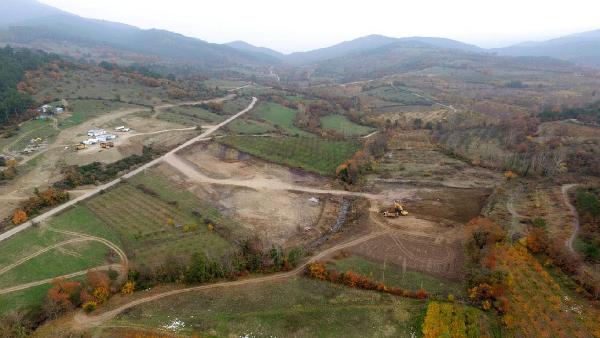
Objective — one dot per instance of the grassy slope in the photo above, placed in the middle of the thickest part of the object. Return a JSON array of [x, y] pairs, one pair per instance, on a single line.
[[293, 308], [311, 154], [191, 116], [83, 110], [32, 129], [342, 125]]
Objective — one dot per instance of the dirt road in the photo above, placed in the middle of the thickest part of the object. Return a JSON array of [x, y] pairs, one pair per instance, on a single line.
[[49, 280], [108, 185], [192, 173], [565, 192], [81, 320], [35, 254], [78, 237]]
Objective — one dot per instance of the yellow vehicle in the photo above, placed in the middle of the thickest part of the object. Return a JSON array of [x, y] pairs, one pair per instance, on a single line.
[[107, 145], [80, 146], [397, 211]]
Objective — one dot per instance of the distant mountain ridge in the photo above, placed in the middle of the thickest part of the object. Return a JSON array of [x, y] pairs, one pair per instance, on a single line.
[[25, 21], [12, 11], [244, 46], [45, 22], [581, 48], [361, 44]]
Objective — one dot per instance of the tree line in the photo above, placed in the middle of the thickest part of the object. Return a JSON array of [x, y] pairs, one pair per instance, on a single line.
[[13, 65]]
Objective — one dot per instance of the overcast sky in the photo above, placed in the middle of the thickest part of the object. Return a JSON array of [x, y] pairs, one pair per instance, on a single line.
[[300, 25]]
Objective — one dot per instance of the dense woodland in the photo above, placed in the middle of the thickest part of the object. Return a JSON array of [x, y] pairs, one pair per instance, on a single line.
[[13, 65]]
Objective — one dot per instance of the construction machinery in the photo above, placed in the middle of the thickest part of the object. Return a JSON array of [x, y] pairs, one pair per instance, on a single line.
[[107, 145], [396, 211], [80, 146]]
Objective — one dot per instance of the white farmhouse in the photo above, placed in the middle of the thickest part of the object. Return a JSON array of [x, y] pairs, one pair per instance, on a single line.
[[96, 132]]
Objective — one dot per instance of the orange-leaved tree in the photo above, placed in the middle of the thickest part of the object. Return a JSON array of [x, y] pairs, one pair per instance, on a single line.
[[19, 217]]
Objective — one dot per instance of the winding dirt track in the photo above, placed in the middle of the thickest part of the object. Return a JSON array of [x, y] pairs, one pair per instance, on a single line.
[[565, 193], [192, 173], [44, 250], [78, 237], [80, 320], [122, 255], [49, 280]]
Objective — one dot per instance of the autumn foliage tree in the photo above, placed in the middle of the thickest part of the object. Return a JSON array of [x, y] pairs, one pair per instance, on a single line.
[[19, 217], [62, 297], [351, 170], [319, 271]]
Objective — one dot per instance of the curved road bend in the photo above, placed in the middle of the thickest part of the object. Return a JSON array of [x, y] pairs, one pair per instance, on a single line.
[[108, 185]]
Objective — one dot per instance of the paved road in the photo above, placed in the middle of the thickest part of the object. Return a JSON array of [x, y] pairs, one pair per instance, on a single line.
[[108, 185]]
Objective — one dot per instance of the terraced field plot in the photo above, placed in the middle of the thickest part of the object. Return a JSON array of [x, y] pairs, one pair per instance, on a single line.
[[311, 154], [152, 228]]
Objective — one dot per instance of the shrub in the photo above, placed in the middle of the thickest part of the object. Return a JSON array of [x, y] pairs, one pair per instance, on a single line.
[[89, 306], [19, 217]]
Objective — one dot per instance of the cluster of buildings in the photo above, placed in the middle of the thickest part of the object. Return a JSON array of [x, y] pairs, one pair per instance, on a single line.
[[102, 136], [46, 111]]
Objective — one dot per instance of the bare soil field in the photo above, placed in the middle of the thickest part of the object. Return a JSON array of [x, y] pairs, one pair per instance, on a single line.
[[221, 162], [414, 252], [276, 217]]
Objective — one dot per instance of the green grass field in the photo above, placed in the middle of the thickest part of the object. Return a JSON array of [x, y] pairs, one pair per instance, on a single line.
[[280, 117], [249, 127], [23, 299], [191, 116], [311, 154], [341, 124], [27, 242], [297, 307], [83, 110], [57, 262], [393, 276], [32, 129]]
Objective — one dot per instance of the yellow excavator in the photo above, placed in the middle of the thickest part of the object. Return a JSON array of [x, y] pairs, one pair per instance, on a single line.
[[397, 211]]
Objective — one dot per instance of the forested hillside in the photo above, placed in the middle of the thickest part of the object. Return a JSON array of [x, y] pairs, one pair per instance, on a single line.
[[13, 65]]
